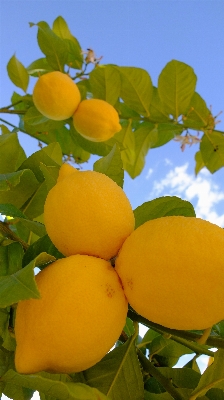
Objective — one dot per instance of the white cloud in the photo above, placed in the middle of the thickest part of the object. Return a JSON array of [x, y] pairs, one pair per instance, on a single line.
[[201, 191], [149, 173]]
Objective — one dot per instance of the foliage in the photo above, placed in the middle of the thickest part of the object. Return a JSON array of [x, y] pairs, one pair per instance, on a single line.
[[137, 368]]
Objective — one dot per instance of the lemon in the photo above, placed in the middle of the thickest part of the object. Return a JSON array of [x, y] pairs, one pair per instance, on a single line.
[[79, 317], [96, 120], [86, 212], [172, 272], [56, 96]]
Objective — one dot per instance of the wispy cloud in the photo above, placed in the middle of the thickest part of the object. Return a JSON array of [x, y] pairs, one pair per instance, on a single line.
[[201, 191]]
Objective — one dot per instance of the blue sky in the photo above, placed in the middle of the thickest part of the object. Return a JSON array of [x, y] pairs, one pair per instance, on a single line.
[[140, 33]]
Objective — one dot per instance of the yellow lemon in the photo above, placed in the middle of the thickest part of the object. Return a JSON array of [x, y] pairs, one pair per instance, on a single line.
[[172, 271], [86, 212], [96, 120], [56, 96], [79, 317]]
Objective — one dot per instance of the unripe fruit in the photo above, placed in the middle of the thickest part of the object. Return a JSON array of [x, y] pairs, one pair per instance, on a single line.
[[79, 317], [96, 120], [172, 272], [86, 212], [56, 96]]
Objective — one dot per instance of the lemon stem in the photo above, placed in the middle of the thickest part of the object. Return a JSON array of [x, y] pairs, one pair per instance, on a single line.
[[205, 336]]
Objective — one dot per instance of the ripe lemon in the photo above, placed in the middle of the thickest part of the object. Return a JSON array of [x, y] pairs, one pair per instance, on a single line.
[[79, 317], [96, 120], [172, 271], [87, 213], [56, 96]]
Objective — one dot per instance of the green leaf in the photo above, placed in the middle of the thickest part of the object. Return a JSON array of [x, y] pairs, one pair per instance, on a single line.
[[111, 165], [166, 351], [54, 48], [39, 67], [18, 73], [212, 150], [50, 156], [162, 207], [199, 163], [160, 396], [126, 138], [34, 226], [196, 117], [213, 377], [75, 59], [12, 154], [17, 187], [34, 122], [145, 138], [50, 174], [118, 374], [10, 259], [136, 89], [16, 392], [54, 388], [166, 132], [44, 244], [157, 109], [8, 341], [181, 377], [215, 394], [11, 211], [34, 207], [105, 83], [20, 285], [176, 86]]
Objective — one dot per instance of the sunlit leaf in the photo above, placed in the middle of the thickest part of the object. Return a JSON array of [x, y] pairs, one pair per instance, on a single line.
[[18, 73], [212, 150], [39, 67], [196, 116], [176, 86], [136, 89], [157, 109], [44, 244], [112, 166], [199, 163], [162, 207], [106, 83], [17, 187], [12, 153]]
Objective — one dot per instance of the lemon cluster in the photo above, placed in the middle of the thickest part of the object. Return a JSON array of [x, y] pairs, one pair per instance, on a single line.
[[170, 270], [57, 97]]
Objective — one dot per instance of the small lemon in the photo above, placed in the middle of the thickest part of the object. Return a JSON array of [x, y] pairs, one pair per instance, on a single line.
[[56, 96], [172, 271], [96, 120], [86, 212], [79, 317]]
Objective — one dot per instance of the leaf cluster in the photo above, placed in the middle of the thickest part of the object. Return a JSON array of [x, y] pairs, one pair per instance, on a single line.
[[137, 367], [150, 116]]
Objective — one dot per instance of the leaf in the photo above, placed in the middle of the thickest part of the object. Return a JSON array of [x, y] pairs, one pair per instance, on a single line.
[[166, 132], [181, 377], [126, 138], [8, 341], [39, 67], [53, 388], [196, 117], [12, 154], [44, 244], [212, 150], [10, 259], [111, 165], [34, 207], [17, 187], [54, 48], [21, 285], [176, 86], [157, 109], [145, 138], [11, 211], [215, 394], [213, 377], [199, 163], [75, 59], [166, 351], [105, 83], [18, 73], [16, 392], [49, 156], [118, 374], [136, 89], [162, 207], [160, 396], [35, 122]]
